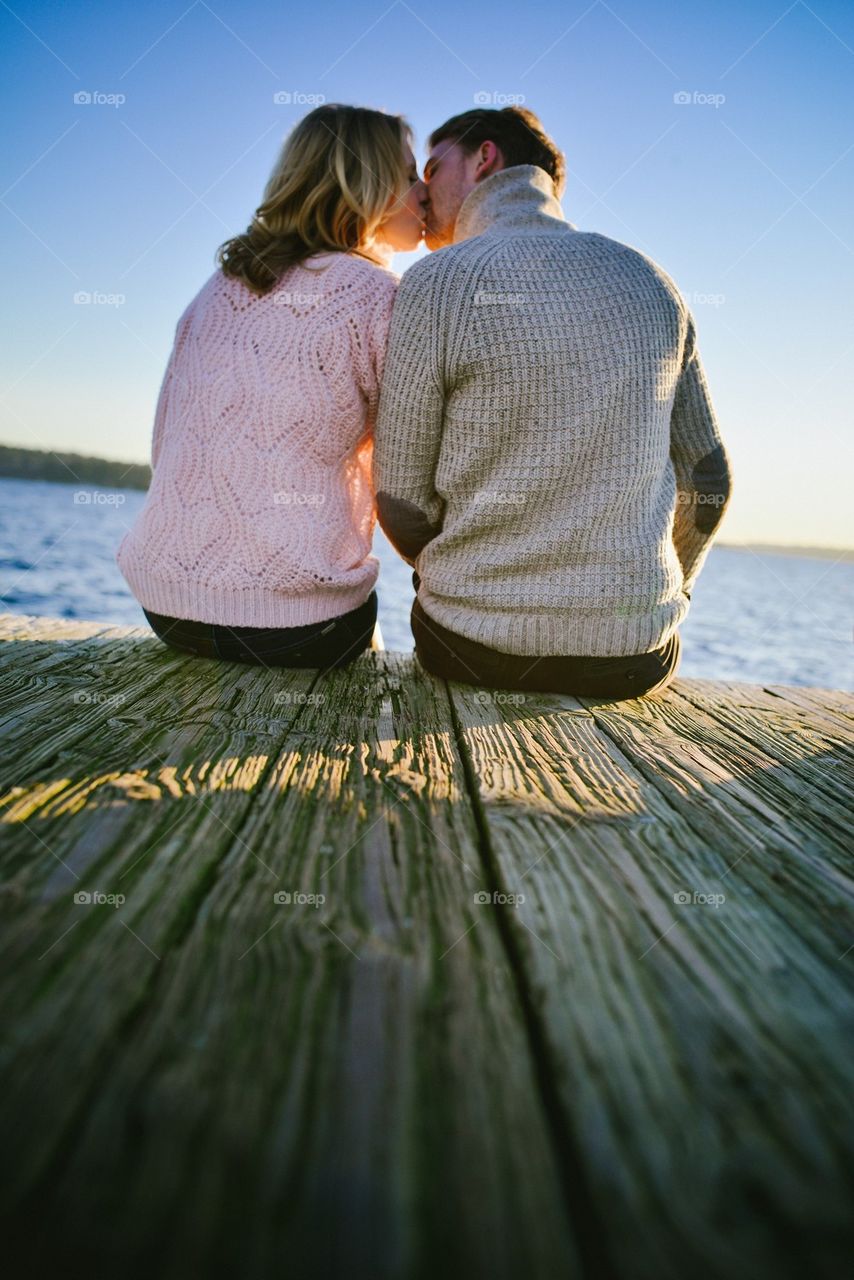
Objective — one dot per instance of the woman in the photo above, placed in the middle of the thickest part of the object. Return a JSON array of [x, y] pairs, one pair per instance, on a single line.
[[254, 541]]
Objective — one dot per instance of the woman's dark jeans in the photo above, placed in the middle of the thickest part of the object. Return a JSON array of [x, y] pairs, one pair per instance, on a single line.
[[454, 657], [334, 643]]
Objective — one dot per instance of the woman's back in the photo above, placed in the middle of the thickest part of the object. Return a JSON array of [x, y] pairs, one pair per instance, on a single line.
[[260, 512]]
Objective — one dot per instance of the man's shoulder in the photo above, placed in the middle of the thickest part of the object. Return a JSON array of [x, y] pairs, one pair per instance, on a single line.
[[460, 256], [441, 273], [441, 279], [441, 263], [628, 255]]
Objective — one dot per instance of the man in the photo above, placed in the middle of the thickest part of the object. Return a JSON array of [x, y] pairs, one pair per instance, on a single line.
[[546, 453]]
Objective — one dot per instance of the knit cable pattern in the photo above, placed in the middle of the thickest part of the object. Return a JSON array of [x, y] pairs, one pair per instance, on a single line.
[[260, 510]]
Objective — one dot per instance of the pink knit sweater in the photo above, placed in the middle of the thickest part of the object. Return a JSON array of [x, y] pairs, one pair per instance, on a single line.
[[260, 511]]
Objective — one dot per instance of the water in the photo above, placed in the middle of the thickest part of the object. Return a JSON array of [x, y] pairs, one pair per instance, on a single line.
[[770, 618]]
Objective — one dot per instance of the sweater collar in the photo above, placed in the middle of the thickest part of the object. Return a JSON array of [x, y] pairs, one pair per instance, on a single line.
[[515, 201]]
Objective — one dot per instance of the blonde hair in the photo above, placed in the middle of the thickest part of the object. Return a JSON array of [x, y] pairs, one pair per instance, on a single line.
[[329, 190]]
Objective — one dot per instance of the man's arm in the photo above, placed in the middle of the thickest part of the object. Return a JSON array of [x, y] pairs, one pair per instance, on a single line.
[[408, 433], [703, 476]]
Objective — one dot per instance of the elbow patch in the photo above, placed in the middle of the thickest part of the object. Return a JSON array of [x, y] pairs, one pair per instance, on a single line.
[[406, 525], [711, 479]]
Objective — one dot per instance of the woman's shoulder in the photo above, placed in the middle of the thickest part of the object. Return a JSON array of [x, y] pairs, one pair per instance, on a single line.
[[331, 278], [354, 268], [198, 304]]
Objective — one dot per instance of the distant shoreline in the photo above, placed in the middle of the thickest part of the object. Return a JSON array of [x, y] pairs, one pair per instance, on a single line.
[[780, 549], [20, 463]]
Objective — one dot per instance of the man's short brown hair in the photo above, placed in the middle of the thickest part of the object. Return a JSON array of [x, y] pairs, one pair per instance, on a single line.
[[516, 131]]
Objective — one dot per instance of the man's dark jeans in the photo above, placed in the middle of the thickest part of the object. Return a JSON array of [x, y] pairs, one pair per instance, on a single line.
[[334, 643], [454, 657]]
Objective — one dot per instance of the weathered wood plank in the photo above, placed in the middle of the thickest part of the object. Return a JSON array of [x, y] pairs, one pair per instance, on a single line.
[[777, 795], [597, 1072], [144, 809], [819, 702], [812, 706], [783, 773], [804, 767], [805, 711], [702, 1051], [113, 672], [349, 1087], [29, 644]]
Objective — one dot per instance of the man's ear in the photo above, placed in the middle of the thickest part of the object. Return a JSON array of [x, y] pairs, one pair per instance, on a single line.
[[489, 161]]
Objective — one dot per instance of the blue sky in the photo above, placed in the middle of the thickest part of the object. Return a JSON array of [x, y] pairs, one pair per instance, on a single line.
[[743, 192]]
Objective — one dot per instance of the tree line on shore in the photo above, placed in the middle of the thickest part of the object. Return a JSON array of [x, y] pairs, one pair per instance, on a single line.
[[19, 463]]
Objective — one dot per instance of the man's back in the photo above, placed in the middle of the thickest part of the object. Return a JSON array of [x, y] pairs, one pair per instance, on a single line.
[[544, 408]]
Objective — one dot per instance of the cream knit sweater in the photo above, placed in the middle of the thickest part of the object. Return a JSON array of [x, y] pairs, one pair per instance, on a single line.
[[546, 451]]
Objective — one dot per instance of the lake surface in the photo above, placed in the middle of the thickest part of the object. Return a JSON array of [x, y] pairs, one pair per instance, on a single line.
[[765, 618]]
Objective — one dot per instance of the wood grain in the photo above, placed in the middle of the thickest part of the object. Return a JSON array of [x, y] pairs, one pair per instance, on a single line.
[[349, 1086], [556, 989], [702, 1052]]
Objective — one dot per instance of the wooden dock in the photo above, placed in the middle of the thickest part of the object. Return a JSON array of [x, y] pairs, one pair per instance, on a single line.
[[367, 975]]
